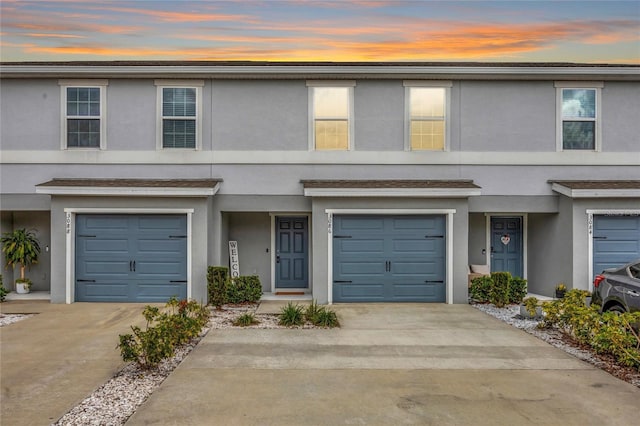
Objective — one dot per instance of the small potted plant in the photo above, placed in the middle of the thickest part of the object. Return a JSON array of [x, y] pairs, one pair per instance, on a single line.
[[530, 308], [561, 289], [21, 247]]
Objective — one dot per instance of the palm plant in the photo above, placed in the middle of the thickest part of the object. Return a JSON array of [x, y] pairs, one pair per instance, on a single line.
[[20, 247]]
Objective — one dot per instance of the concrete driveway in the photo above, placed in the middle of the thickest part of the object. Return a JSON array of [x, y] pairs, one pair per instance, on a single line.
[[53, 360], [388, 365]]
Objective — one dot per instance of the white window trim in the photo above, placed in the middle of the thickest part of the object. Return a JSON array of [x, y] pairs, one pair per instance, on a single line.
[[70, 248], [444, 84], [449, 240], [169, 84], [100, 84], [587, 85], [350, 84]]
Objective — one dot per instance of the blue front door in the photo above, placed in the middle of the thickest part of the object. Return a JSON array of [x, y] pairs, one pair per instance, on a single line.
[[292, 259], [506, 245]]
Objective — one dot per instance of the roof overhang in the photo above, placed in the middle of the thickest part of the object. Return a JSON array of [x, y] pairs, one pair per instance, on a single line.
[[597, 188], [310, 70], [131, 187], [391, 188]]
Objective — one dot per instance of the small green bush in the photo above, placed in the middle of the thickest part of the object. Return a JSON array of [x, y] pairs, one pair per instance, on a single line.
[[531, 305], [517, 290], [321, 316], [165, 330], [244, 289], [609, 333], [480, 289], [217, 281], [3, 291], [246, 320], [499, 294], [291, 315]]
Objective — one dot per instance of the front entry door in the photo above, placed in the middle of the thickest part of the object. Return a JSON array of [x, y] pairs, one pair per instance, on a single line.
[[292, 258], [506, 245]]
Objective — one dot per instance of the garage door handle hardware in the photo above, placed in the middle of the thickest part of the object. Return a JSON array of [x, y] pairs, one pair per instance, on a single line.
[[134, 266], [434, 236], [86, 236], [177, 236], [599, 238], [342, 236], [178, 281], [86, 281], [436, 282], [387, 266], [341, 282]]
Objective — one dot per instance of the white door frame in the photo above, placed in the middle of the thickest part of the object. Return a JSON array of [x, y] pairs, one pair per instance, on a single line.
[[525, 238], [70, 249], [449, 240]]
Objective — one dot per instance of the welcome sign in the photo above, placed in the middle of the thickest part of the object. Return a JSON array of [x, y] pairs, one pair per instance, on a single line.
[[234, 259]]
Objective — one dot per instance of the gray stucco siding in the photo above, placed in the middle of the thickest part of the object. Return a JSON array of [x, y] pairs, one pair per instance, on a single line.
[[620, 123], [506, 116], [379, 115], [30, 114], [131, 115], [259, 115]]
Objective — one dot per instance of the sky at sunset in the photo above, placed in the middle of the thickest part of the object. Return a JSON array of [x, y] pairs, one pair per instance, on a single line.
[[306, 30]]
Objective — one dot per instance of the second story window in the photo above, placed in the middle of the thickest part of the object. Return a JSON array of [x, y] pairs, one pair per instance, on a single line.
[[179, 114], [578, 125], [426, 116], [331, 105], [83, 121]]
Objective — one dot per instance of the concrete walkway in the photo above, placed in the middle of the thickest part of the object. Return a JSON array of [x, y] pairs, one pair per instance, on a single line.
[[53, 360], [388, 365]]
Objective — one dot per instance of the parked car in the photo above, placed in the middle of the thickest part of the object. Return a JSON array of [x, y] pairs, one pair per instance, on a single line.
[[618, 289]]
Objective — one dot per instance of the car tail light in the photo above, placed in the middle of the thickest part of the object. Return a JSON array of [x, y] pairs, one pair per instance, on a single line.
[[598, 279]]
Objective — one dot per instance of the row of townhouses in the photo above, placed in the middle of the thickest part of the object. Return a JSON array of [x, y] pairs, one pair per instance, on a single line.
[[344, 182]]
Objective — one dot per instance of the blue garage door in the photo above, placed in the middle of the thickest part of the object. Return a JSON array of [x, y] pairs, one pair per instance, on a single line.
[[616, 241], [389, 258], [131, 258]]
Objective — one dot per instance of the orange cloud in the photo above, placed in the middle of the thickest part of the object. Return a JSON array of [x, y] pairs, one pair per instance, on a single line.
[[170, 16]]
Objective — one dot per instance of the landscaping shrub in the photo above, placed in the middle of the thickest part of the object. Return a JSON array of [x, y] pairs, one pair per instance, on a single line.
[[609, 333], [3, 291], [499, 294], [480, 289], [517, 290], [246, 320], [321, 316], [291, 315], [217, 279], [491, 289], [244, 289], [165, 330]]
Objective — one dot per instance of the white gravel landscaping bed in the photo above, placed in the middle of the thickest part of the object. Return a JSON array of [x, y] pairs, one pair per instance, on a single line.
[[6, 319]]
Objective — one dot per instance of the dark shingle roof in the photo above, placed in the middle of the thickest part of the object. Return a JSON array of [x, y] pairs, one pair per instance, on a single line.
[[134, 183], [396, 183], [598, 184]]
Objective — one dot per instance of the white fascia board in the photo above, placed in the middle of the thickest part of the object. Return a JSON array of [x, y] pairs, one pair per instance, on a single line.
[[127, 191], [305, 70], [392, 192], [595, 193]]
